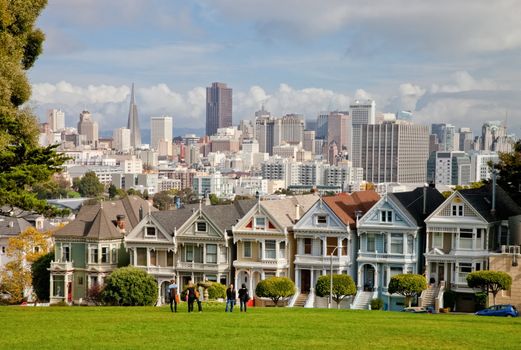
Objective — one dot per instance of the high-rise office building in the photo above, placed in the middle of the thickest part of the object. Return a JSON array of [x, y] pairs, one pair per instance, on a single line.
[[452, 168], [338, 126], [291, 128], [88, 128], [264, 133], [218, 107], [309, 141], [56, 119], [446, 136], [494, 137], [121, 140], [363, 112], [392, 152], [161, 129], [322, 126], [466, 139], [133, 122]]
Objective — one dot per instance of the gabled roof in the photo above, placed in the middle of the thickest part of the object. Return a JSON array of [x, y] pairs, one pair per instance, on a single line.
[[412, 202], [98, 221], [12, 226], [283, 211], [481, 201], [346, 205]]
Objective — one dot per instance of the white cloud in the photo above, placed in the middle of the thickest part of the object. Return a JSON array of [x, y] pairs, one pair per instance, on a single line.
[[463, 81]]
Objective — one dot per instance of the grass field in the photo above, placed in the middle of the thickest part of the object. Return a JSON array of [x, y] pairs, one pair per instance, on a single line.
[[260, 328]]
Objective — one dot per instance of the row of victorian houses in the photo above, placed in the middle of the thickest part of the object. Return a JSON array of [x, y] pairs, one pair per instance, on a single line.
[[369, 237]]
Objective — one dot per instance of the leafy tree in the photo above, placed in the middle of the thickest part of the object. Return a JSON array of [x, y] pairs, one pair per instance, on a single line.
[[23, 250], [407, 284], [509, 171], [216, 291], [41, 275], [489, 281], [343, 286], [23, 164], [130, 286], [214, 200], [133, 192], [275, 288], [188, 196], [113, 191], [145, 194], [163, 200], [89, 185]]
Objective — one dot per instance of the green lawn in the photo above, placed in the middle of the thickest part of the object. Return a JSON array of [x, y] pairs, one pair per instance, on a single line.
[[261, 328]]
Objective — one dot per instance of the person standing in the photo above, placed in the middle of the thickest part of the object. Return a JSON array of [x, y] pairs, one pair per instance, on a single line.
[[231, 295], [199, 297], [244, 297], [172, 291], [190, 292]]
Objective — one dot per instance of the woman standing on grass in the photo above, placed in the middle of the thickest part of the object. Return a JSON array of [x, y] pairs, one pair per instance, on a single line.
[[190, 292], [243, 297]]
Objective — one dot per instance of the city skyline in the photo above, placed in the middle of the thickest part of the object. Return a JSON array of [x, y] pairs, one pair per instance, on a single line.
[[458, 65]]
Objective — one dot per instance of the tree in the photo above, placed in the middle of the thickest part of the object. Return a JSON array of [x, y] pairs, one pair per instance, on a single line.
[[23, 163], [343, 286], [23, 250], [130, 286], [409, 285], [41, 275], [509, 171], [113, 191], [489, 281], [89, 185], [214, 200], [162, 200], [275, 288]]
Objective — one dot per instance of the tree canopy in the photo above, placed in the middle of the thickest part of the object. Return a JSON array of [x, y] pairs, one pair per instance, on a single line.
[[41, 275], [89, 185], [489, 281], [509, 171], [275, 288], [408, 285], [343, 286], [129, 286], [23, 164]]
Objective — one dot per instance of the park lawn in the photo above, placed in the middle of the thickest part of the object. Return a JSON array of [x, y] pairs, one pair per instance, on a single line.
[[260, 328]]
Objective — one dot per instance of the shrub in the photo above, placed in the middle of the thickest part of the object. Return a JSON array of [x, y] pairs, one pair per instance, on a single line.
[[449, 299], [343, 286], [216, 291], [275, 288], [480, 300], [130, 286], [408, 285], [489, 281], [41, 276], [377, 304], [94, 294]]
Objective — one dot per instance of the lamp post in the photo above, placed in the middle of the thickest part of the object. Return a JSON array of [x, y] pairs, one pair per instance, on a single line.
[[331, 277]]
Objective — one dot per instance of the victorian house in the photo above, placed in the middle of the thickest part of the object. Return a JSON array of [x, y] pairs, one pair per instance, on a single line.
[[264, 239], [190, 243], [390, 240], [91, 247]]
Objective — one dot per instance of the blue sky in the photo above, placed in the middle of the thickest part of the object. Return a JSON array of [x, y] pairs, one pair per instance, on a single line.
[[447, 61]]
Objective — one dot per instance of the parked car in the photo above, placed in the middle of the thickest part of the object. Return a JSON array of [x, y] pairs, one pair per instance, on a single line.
[[415, 309], [499, 310]]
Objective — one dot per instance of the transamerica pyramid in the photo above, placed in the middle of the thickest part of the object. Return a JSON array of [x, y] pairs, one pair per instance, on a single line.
[[133, 122]]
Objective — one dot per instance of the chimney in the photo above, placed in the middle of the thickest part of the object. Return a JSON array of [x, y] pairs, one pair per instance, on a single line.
[[120, 221], [297, 212]]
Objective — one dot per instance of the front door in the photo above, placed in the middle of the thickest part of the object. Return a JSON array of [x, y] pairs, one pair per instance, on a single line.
[[305, 280], [368, 278], [441, 272]]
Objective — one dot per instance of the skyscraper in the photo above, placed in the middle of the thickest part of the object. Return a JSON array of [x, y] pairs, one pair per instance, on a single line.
[[218, 107], [264, 133], [88, 128], [291, 128], [363, 112], [160, 130], [133, 122], [445, 133], [56, 119], [337, 129], [121, 139]]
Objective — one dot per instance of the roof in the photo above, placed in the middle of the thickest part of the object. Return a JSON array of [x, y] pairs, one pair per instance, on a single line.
[[12, 226], [412, 201], [346, 206], [98, 221], [284, 210], [481, 201]]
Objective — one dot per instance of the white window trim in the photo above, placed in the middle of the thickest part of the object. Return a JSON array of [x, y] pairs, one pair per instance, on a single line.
[[442, 238], [259, 227], [384, 216], [197, 226], [150, 236], [244, 249]]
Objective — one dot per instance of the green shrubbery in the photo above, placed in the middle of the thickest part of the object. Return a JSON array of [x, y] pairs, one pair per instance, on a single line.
[[449, 299], [343, 286], [216, 291], [489, 281], [41, 276], [377, 304], [130, 286], [275, 288], [407, 284]]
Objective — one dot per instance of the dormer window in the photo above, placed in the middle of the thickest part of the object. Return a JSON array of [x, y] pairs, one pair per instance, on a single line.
[[150, 231], [386, 216], [260, 222], [322, 219], [200, 226], [457, 209]]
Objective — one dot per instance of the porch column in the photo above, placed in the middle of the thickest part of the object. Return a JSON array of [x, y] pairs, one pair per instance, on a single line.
[[65, 288], [204, 253], [376, 276], [159, 291], [312, 279], [297, 278], [339, 246], [262, 249], [148, 257], [236, 281], [445, 267], [427, 243], [359, 282], [263, 275], [134, 253], [457, 240], [388, 242], [324, 246], [277, 249], [250, 281], [405, 245], [51, 294]]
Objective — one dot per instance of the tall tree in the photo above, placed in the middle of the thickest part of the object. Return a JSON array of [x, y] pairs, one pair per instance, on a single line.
[[41, 275], [23, 163], [407, 284], [509, 171], [490, 281], [89, 185], [343, 286]]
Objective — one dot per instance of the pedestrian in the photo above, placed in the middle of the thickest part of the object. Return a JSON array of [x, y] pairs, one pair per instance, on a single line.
[[231, 295], [172, 291], [199, 297], [244, 297], [190, 293]]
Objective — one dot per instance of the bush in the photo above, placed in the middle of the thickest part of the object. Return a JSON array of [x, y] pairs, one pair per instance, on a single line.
[[480, 300], [408, 285], [130, 286], [343, 286], [489, 281], [275, 288], [449, 299], [216, 291], [41, 276], [377, 304], [94, 294]]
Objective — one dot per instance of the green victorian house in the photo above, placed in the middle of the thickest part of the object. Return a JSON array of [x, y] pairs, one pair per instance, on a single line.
[[91, 247]]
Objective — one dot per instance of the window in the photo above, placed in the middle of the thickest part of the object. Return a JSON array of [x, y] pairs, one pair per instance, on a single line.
[[104, 255], [150, 231], [321, 219], [201, 226], [170, 258], [224, 254], [371, 246], [260, 222], [3, 250], [270, 252], [410, 244], [93, 280], [189, 253], [66, 253], [457, 210], [465, 238], [93, 254], [463, 270], [437, 239], [331, 243], [344, 246], [386, 216], [114, 256], [153, 258], [308, 245], [36, 249], [246, 253], [141, 256], [80, 280], [211, 253], [282, 249], [396, 243]]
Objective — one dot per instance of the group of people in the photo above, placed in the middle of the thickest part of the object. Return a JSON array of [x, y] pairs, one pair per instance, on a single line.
[[194, 294]]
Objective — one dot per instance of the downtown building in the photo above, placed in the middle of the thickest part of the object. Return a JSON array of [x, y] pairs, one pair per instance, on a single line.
[[218, 107]]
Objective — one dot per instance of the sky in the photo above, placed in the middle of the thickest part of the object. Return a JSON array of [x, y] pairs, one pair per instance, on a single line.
[[447, 61]]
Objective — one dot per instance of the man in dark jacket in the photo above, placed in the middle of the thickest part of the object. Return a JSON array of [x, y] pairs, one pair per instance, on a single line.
[[244, 297], [231, 295], [172, 289]]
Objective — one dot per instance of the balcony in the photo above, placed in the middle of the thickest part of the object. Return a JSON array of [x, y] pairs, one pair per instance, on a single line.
[[385, 257], [184, 265], [61, 266], [320, 260], [263, 263]]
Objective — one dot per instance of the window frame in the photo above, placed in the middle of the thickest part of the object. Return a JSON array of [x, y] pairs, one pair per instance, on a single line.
[[244, 249], [149, 229], [434, 239], [386, 215], [267, 248], [321, 219], [256, 225], [214, 254], [201, 223], [308, 243]]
